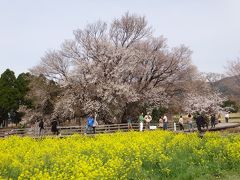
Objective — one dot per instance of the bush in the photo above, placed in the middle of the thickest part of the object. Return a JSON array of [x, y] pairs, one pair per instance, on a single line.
[[230, 106]]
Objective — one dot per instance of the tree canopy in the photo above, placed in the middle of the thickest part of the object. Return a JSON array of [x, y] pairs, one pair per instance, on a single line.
[[110, 68], [12, 94], [116, 69]]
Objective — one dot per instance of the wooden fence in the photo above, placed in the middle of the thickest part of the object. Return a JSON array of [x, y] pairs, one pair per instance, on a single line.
[[69, 130]]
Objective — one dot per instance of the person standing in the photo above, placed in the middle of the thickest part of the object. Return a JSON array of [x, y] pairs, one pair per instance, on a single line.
[[213, 120], [141, 120], [115, 121], [90, 121], [95, 123], [54, 128], [190, 122], [199, 122], [160, 122], [41, 127], [180, 121], [148, 119], [129, 121], [165, 122], [227, 117]]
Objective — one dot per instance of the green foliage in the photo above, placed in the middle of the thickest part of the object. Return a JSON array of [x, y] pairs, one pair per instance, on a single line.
[[15, 116], [157, 113], [23, 81], [8, 94], [231, 106], [12, 94]]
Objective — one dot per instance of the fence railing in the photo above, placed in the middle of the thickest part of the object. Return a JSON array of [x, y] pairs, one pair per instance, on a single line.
[[69, 130]]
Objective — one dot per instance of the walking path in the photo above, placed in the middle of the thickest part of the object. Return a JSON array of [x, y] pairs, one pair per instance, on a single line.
[[222, 126], [218, 127], [108, 128]]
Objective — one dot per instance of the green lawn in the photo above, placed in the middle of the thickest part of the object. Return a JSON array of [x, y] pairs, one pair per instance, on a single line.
[[234, 117]]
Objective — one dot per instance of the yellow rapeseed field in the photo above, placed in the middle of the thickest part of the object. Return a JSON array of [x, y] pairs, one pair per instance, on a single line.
[[131, 155]]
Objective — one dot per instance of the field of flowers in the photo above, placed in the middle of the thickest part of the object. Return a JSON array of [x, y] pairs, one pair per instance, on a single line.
[[131, 155]]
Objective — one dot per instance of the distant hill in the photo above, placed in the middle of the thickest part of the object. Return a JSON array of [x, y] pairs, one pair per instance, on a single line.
[[229, 87]]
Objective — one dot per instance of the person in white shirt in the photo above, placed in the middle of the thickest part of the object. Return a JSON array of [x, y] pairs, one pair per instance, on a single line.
[[227, 117], [95, 123], [165, 122], [180, 121]]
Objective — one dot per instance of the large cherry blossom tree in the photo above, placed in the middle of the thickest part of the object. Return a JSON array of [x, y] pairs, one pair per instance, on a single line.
[[111, 68]]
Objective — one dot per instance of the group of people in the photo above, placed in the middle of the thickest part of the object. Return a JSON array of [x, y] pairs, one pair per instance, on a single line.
[[40, 127], [163, 122], [201, 121], [189, 122]]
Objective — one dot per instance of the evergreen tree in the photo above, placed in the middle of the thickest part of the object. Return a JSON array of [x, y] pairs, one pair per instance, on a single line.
[[12, 94]]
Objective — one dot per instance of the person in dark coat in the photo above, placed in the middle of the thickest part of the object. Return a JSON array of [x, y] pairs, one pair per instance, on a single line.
[[54, 128], [41, 127], [199, 122], [213, 121]]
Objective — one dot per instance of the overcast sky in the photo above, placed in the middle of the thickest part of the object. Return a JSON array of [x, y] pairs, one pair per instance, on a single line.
[[210, 28]]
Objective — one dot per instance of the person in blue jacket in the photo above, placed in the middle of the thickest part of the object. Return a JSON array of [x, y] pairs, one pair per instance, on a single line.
[[90, 121]]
